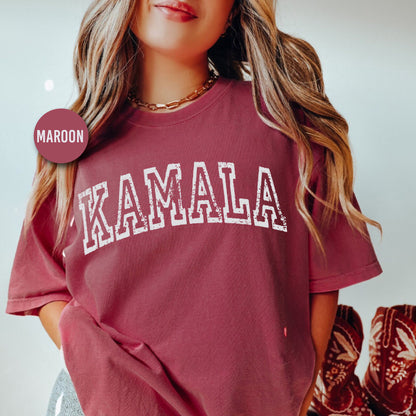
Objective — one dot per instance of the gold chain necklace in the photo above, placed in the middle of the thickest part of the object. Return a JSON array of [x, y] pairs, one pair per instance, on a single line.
[[174, 104]]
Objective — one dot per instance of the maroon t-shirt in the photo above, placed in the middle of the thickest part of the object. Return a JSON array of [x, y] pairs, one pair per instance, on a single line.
[[187, 266]]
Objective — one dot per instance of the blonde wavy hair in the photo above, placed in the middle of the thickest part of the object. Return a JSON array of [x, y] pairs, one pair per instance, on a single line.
[[285, 72]]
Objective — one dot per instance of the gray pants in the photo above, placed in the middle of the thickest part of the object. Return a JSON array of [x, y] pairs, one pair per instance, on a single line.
[[64, 400]]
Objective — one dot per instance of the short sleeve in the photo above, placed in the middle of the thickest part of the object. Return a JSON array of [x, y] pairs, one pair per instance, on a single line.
[[350, 257], [37, 276]]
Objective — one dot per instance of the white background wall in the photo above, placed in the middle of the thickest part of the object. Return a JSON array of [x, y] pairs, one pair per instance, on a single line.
[[368, 54]]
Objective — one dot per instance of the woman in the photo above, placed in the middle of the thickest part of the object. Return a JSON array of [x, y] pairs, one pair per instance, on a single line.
[[199, 245]]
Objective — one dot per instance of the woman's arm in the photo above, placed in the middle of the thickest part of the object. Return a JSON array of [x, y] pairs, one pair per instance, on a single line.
[[49, 315], [323, 310]]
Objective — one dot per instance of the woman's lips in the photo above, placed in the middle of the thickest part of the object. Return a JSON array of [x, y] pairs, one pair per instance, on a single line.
[[176, 10]]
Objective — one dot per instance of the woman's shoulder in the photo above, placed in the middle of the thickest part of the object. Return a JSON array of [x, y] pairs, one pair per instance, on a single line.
[[241, 87], [241, 96]]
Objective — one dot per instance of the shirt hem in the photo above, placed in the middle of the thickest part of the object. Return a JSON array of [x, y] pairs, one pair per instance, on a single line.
[[341, 281], [31, 306]]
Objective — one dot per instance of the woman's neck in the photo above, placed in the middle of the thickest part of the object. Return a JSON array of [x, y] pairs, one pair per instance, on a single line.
[[163, 78]]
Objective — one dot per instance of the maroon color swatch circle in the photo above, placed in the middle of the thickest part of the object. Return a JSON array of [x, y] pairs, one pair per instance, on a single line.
[[61, 135]]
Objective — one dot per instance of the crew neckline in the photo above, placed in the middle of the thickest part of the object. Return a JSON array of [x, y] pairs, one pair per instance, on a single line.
[[148, 118]]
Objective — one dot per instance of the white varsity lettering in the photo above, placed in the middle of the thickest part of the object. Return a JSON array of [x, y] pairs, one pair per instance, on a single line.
[[233, 213], [129, 212], [166, 194], [90, 204], [203, 196], [267, 201]]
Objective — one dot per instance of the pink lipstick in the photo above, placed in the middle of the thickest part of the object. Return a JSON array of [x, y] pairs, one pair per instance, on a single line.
[[176, 10]]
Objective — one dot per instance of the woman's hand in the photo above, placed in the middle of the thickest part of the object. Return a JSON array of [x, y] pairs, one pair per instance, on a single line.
[[49, 315], [323, 310]]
